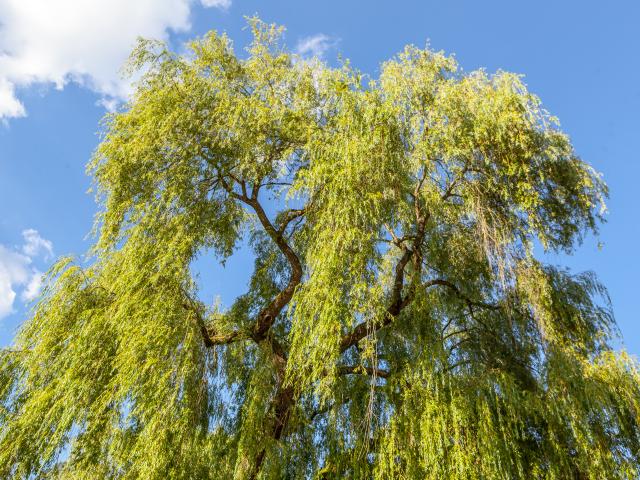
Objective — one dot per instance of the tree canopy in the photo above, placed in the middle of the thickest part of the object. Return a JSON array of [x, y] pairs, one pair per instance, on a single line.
[[397, 323]]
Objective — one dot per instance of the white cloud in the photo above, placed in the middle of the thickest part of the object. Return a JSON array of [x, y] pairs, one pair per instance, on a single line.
[[7, 294], [224, 4], [34, 244], [17, 271], [32, 289], [109, 104], [315, 45], [83, 41], [10, 106], [14, 272]]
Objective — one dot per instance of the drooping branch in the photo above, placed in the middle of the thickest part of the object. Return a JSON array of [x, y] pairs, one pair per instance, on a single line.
[[361, 369], [213, 338], [210, 336], [469, 302], [397, 301], [362, 329], [396, 306]]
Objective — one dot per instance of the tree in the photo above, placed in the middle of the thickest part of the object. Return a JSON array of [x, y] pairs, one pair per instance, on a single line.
[[397, 323]]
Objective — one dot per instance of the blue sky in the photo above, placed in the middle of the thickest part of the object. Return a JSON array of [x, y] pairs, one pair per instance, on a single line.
[[59, 65]]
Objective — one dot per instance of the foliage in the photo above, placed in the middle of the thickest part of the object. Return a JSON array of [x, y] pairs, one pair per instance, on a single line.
[[397, 323]]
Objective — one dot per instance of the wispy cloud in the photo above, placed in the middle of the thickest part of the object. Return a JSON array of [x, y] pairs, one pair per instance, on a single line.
[[316, 45], [14, 272], [17, 273], [32, 290], [34, 244], [60, 41], [223, 4]]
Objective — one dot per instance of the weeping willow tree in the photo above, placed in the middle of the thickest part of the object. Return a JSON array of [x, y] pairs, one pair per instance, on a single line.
[[397, 323]]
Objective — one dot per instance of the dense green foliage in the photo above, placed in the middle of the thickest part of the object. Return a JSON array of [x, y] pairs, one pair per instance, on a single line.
[[397, 323]]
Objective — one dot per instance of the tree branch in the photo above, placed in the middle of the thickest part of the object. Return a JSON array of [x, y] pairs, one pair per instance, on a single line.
[[397, 303], [268, 314], [456, 290], [289, 216], [360, 369]]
